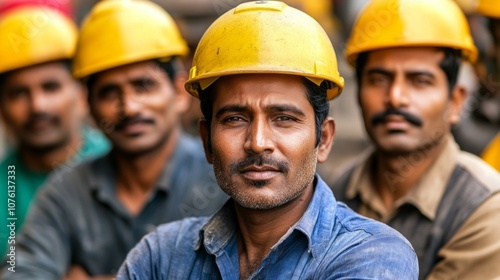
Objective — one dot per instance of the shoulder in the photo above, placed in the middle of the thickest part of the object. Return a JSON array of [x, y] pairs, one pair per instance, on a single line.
[[170, 247], [186, 230], [191, 146], [483, 222], [479, 171], [190, 158], [72, 179], [365, 247], [474, 250], [352, 222]]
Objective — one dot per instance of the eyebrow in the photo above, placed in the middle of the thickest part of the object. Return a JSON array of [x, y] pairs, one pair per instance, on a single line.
[[138, 81], [391, 73], [379, 71], [276, 108], [230, 108], [105, 88]]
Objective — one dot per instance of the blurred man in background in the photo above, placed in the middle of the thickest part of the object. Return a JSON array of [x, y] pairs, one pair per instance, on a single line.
[[407, 56], [85, 220], [41, 105]]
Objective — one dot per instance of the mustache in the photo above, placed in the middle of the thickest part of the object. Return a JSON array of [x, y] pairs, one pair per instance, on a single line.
[[259, 160], [37, 117], [379, 117], [132, 120]]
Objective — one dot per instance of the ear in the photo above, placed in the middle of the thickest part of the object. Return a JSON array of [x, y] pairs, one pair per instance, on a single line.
[[326, 141], [457, 99], [205, 137], [183, 98]]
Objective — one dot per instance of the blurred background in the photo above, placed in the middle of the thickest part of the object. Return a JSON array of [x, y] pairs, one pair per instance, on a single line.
[[337, 17]]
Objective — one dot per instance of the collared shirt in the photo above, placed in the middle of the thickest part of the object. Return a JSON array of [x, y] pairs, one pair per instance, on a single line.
[[473, 251], [329, 242], [77, 218], [27, 181]]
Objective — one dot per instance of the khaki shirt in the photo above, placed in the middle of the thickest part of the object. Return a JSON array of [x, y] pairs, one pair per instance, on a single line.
[[474, 251]]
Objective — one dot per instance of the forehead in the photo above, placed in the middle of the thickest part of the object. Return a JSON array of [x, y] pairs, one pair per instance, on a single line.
[[407, 58], [134, 71], [260, 90], [53, 71]]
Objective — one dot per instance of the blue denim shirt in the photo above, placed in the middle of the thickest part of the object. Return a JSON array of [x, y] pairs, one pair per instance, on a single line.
[[329, 242]]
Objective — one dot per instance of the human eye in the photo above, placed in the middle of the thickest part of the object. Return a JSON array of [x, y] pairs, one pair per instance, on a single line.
[[145, 85], [52, 86], [378, 80], [17, 93], [108, 93], [422, 80], [233, 119], [284, 118]]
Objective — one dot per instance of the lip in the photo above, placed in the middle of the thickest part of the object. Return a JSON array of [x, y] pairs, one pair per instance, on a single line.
[[40, 125], [395, 122], [260, 173], [135, 128]]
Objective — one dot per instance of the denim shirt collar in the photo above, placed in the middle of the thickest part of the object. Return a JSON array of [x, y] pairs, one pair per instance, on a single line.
[[218, 231]]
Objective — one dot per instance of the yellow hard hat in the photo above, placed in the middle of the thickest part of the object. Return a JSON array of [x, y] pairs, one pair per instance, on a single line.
[[410, 23], [489, 8], [32, 35], [120, 32], [264, 37]]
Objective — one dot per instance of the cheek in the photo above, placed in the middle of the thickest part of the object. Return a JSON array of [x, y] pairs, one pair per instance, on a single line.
[[16, 112], [369, 99], [226, 147], [67, 102], [105, 108], [434, 111]]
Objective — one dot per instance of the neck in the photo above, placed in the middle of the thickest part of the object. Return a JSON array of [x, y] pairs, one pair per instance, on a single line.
[[394, 176], [140, 172], [259, 230], [137, 175], [48, 160]]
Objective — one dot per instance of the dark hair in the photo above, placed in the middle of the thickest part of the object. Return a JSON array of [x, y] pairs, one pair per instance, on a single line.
[[315, 94], [171, 68], [450, 66]]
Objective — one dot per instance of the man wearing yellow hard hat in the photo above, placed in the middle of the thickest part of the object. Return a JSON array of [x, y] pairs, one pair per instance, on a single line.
[[407, 56], [85, 220], [264, 73], [479, 132], [41, 105]]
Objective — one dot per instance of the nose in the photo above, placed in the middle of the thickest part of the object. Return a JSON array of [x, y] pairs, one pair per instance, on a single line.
[[39, 101], [397, 96], [130, 104], [259, 137]]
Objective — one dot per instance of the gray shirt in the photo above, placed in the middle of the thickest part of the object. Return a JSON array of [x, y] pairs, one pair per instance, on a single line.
[[78, 219]]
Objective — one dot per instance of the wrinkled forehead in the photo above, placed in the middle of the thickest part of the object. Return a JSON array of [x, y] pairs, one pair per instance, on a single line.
[[406, 58], [259, 89]]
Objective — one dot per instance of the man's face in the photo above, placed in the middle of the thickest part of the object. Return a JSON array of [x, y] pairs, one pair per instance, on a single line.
[[262, 139], [405, 99], [42, 105], [137, 106]]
